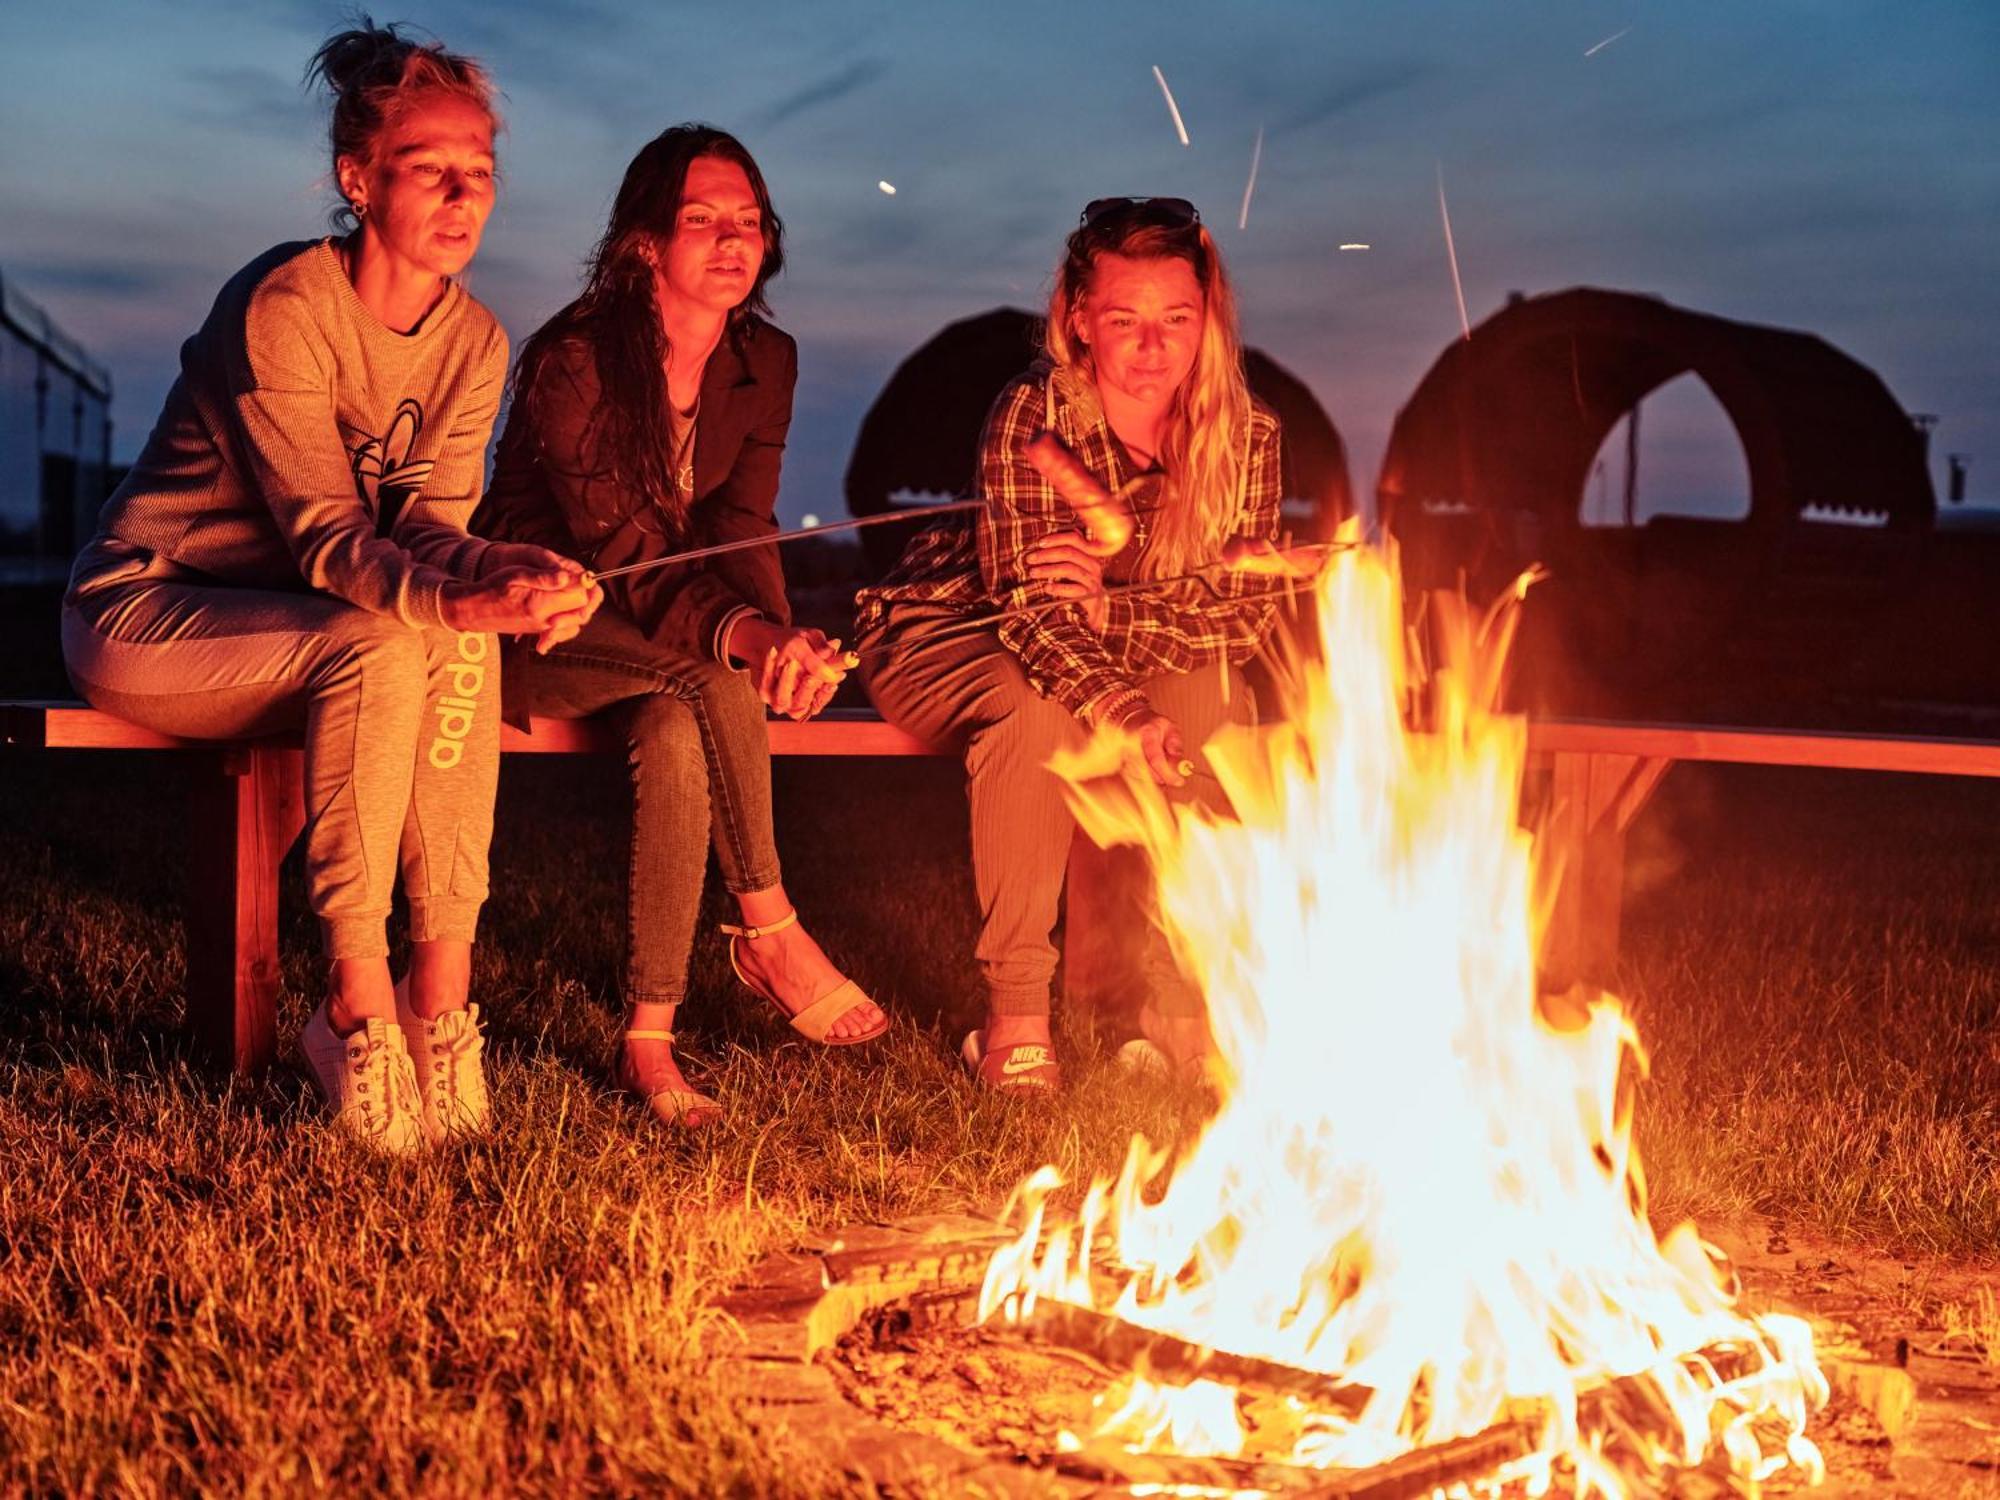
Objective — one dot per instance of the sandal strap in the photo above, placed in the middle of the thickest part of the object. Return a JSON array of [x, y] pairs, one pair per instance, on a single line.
[[674, 1105], [788, 919], [819, 1018], [649, 1036]]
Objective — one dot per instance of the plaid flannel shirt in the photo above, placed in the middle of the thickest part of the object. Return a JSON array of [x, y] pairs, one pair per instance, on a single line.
[[981, 567]]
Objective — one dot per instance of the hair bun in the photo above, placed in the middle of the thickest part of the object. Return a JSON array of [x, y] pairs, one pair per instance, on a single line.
[[360, 57], [376, 72]]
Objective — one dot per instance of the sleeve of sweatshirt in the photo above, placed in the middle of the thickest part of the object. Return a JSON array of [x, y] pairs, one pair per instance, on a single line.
[[292, 450], [433, 526]]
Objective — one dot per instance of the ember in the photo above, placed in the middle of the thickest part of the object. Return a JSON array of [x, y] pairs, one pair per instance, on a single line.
[[1180, 129], [1417, 1219]]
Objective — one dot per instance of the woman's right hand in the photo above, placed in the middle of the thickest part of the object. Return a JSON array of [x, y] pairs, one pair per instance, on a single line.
[[549, 603], [795, 670], [1063, 564], [1160, 746]]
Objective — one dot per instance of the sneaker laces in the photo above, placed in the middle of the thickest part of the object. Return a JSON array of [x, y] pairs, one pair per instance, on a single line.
[[378, 1084], [454, 1048]]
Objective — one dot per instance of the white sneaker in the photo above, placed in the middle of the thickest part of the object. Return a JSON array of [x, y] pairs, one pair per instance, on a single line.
[[367, 1081], [451, 1080]]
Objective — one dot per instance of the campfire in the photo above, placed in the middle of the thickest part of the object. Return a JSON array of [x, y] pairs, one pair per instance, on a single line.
[[1415, 1229]]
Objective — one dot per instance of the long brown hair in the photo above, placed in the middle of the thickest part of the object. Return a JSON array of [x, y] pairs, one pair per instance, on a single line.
[[618, 316], [375, 74], [1205, 450]]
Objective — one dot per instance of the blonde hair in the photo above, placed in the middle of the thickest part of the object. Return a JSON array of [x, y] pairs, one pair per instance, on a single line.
[[1206, 449]]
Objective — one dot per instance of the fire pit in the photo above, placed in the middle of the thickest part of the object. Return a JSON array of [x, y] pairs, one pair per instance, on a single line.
[[1410, 1249], [868, 1344]]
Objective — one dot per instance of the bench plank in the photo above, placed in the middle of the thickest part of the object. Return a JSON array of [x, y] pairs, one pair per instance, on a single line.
[[72, 726], [1927, 755], [246, 811]]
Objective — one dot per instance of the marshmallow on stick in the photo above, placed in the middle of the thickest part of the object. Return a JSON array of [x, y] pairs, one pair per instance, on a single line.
[[1106, 522]]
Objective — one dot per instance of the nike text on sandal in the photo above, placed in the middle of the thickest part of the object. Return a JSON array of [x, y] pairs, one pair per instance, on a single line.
[[1024, 1067], [818, 1019]]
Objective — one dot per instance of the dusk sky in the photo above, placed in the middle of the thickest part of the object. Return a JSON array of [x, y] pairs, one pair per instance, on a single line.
[[1828, 165]]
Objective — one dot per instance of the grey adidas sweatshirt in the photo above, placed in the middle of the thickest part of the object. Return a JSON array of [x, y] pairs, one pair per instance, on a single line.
[[307, 440]]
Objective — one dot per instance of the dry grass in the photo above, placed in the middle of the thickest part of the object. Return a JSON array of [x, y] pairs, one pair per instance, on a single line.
[[201, 1290]]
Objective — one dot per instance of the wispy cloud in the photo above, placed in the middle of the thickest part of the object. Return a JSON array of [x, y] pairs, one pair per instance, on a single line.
[[250, 98], [1360, 88], [98, 278], [829, 89]]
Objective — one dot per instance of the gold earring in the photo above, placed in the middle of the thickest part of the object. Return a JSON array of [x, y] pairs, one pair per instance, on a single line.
[[360, 210]]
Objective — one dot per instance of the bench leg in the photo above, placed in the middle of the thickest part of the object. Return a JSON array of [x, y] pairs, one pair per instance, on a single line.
[[1594, 800], [247, 807]]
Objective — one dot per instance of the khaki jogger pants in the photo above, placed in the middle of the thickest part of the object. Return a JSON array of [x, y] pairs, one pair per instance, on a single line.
[[402, 730]]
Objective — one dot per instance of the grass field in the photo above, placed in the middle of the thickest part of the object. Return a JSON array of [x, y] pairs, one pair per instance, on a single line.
[[202, 1290]]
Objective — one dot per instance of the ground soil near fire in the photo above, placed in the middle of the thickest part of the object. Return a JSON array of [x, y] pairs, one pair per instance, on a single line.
[[202, 1290]]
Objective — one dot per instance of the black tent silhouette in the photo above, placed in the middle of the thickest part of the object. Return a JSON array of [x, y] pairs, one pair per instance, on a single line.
[[1485, 472]]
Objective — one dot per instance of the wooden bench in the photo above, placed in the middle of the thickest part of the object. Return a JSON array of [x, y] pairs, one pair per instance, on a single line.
[[247, 809]]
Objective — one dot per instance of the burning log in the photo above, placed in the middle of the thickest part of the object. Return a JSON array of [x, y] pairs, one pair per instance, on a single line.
[[1629, 1411], [1175, 1361], [1461, 1461]]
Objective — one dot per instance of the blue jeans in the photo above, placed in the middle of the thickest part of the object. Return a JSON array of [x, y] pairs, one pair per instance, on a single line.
[[700, 762]]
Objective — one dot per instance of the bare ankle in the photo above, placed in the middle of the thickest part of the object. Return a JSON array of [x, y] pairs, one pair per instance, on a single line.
[[1008, 1028], [440, 978], [764, 908]]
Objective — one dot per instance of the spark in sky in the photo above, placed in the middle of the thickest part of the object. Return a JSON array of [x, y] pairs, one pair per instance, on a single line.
[[1172, 108], [1256, 156], [1593, 51], [1451, 249]]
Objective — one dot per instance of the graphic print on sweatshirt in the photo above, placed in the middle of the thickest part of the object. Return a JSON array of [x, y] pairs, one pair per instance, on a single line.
[[385, 476]]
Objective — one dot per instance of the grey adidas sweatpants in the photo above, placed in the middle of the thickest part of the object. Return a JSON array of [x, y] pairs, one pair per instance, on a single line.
[[402, 727]]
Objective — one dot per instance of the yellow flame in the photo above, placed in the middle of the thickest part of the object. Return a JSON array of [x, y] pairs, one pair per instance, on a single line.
[[1415, 1182]]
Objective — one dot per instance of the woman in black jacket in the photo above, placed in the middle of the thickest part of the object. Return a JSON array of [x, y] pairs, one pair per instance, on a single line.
[[650, 418]]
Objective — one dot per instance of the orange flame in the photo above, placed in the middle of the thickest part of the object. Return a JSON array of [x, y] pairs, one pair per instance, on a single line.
[[1415, 1184]]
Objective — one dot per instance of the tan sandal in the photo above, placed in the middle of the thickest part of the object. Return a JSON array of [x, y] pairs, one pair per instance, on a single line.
[[679, 1107], [819, 1018]]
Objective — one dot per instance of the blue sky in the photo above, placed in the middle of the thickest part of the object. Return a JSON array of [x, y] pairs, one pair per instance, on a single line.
[[1832, 165]]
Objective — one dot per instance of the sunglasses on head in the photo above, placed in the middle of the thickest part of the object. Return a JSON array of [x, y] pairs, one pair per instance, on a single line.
[[1168, 213]]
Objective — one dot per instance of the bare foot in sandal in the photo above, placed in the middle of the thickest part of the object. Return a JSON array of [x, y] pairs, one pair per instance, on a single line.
[[775, 956], [647, 1067]]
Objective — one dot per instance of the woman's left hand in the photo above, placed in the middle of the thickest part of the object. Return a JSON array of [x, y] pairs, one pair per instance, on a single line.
[[1064, 565], [796, 670], [563, 627]]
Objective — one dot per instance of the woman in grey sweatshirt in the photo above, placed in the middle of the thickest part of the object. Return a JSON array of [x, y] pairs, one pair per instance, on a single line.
[[289, 553]]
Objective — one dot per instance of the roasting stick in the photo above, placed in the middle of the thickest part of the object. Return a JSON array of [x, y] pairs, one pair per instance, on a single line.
[[1298, 583], [1106, 520], [1286, 563], [916, 513]]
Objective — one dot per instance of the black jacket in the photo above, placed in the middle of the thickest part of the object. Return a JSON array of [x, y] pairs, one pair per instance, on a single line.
[[550, 487]]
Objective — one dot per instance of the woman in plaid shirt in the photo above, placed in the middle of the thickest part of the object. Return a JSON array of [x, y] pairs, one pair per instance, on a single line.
[[1143, 382]]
